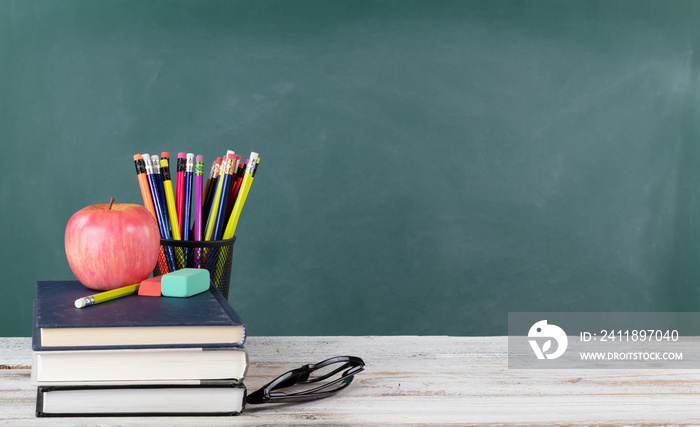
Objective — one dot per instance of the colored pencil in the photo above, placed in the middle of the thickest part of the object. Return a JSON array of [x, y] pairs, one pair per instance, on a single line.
[[251, 168], [198, 180], [159, 205], [164, 155], [226, 177], [230, 232], [157, 200], [148, 203], [187, 196], [161, 189], [155, 163], [180, 189], [209, 195], [208, 183], [180, 258], [187, 203], [143, 183], [235, 187], [216, 200], [170, 199], [238, 170]]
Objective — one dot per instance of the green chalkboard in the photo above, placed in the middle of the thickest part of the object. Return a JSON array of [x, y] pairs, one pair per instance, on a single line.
[[427, 166]]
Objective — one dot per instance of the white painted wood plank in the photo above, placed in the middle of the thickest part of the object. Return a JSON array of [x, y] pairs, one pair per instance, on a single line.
[[415, 380]]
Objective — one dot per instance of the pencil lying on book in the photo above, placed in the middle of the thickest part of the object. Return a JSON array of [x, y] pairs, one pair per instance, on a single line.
[[106, 296]]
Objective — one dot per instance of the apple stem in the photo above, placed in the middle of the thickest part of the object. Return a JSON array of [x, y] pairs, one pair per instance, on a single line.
[[111, 201]]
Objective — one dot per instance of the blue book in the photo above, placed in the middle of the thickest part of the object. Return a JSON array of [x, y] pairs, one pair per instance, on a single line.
[[203, 320]]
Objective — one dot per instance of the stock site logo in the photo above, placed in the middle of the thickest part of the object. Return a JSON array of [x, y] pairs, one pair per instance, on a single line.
[[542, 330]]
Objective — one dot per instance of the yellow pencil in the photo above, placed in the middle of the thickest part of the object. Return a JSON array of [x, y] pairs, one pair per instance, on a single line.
[[170, 199], [106, 296], [253, 161]]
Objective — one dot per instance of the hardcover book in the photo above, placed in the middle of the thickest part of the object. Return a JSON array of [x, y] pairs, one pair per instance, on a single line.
[[127, 366], [207, 399], [203, 320]]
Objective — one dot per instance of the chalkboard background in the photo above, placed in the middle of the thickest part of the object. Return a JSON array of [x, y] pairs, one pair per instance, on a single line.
[[427, 166]]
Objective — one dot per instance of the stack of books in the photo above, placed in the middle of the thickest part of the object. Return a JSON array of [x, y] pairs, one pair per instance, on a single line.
[[136, 355]]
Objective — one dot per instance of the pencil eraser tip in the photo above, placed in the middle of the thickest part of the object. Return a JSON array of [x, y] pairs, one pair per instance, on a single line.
[[200, 158], [219, 160], [230, 156], [80, 303], [165, 154], [180, 155], [138, 157]]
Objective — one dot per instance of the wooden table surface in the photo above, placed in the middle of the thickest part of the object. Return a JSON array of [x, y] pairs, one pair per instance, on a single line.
[[413, 380]]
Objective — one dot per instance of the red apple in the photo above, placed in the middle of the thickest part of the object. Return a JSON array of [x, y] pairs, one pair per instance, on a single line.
[[114, 245]]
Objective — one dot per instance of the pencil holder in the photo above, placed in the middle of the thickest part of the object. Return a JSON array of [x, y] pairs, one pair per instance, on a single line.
[[214, 255]]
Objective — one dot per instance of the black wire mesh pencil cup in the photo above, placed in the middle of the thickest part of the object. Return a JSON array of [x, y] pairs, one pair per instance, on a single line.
[[215, 256]]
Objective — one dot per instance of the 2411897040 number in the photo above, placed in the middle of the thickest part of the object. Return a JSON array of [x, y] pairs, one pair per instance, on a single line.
[[639, 335]]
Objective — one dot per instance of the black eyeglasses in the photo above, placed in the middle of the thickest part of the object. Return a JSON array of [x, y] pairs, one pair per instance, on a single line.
[[311, 374]]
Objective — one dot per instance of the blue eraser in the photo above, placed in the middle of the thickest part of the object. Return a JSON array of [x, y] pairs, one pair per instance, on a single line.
[[185, 283]]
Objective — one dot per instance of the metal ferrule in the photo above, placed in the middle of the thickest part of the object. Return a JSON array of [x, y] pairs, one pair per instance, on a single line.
[[255, 169], [189, 166], [165, 170], [89, 301], [228, 167], [140, 166], [251, 165], [156, 163], [181, 164], [147, 163]]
